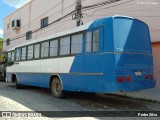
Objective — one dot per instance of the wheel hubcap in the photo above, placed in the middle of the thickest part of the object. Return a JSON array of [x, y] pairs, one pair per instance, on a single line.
[[57, 88]]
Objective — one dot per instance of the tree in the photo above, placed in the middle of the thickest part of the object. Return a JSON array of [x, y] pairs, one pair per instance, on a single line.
[[1, 49], [1, 44]]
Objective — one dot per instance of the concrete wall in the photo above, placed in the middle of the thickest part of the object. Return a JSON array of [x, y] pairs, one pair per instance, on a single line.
[[156, 59]]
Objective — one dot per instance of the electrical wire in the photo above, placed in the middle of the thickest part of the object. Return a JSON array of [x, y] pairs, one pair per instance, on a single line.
[[86, 8], [44, 14]]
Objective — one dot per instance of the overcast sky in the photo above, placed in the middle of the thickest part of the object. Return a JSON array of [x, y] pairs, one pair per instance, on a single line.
[[7, 7]]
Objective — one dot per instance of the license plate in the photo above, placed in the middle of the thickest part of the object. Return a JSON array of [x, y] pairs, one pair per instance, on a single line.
[[138, 73]]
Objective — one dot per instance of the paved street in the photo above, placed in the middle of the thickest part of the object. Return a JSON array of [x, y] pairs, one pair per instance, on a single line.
[[38, 99]]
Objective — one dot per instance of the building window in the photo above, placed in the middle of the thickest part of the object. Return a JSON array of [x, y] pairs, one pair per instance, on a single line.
[[18, 23], [8, 42], [30, 52], [44, 22], [53, 48], [13, 23], [45, 49], [76, 44], [65, 46], [37, 51], [29, 35]]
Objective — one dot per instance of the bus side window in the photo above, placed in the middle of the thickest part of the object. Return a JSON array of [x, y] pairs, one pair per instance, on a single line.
[[92, 41], [18, 54], [95, 43], [76, 44], [9, 54], [53, 48], [12, 57], [44, 49], [30, 52], [88, 41], [65, 46], [23, 53], [37, 51]]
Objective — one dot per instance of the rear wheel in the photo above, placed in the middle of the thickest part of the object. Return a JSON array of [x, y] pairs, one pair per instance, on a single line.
[[56, 89]]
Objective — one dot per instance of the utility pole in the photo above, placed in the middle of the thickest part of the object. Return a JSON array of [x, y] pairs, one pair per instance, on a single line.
[[78, 14]]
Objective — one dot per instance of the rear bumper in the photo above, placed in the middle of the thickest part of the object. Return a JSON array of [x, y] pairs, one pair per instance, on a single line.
[[135, 86]]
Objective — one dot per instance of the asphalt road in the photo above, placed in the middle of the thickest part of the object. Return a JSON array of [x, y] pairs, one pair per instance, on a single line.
[[38, 99]]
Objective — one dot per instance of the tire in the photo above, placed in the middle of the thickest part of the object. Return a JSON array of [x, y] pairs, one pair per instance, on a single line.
[[17, 85], [56, 89]]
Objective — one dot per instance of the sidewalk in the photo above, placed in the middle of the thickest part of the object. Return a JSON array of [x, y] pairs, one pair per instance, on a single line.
[[150, 94]]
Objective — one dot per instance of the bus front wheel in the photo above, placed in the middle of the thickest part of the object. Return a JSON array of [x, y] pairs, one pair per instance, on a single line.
[[16, 83], [56, 89]]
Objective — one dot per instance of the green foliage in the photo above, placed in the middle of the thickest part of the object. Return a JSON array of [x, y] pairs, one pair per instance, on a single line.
[[1, 44], [1, 49]]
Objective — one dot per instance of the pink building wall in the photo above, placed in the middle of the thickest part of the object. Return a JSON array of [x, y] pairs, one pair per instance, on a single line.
[[156, 59], [32, 13]]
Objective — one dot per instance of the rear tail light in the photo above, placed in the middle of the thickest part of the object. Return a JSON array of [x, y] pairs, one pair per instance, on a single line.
[[120, 79], [149, 77], [123, 78], [146, 77], [128, 78]]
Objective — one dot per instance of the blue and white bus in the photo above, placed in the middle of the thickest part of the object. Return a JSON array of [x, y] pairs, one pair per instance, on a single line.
[[108, 55]]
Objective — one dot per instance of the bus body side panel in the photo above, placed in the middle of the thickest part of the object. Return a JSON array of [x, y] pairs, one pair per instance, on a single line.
[[34, 79], [82, 83]]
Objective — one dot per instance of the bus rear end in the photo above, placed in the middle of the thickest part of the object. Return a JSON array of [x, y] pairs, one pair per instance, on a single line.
[[133, 55]]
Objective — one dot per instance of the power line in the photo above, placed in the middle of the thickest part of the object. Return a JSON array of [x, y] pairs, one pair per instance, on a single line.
[[109, 7], [84, 8], [47, 12], [23, 35], [102, 3]]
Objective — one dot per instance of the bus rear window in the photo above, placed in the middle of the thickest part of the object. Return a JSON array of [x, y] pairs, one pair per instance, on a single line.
[[131, 35]]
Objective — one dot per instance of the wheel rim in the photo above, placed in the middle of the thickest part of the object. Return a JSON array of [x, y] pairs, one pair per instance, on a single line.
[[57, 88]]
